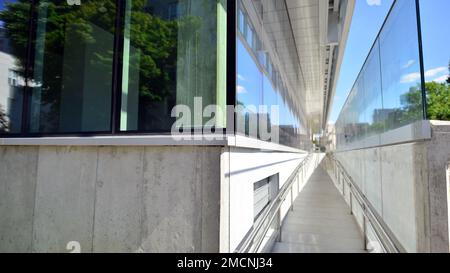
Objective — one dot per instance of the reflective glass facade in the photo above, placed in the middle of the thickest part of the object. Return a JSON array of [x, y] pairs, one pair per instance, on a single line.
[[72, 64], [436, 57], [110, 66], [261, 84], [174, 51], [14, 28], [388, 93]]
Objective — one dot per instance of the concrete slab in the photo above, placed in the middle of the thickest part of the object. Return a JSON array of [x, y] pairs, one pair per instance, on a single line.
[[119, 199], [17, 197], [399, 203], [373, 184], [65, 197], [170, 226]]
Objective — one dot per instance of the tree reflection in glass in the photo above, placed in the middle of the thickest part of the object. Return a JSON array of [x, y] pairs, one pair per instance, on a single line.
[[13, 44], [170, 57]]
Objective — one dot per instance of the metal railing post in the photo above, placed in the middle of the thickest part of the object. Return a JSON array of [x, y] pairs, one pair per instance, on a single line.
[[292, 199], [351, 203], [365, 232]]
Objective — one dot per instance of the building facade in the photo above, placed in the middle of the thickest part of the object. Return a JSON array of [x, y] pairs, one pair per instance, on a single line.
[[89, 98]]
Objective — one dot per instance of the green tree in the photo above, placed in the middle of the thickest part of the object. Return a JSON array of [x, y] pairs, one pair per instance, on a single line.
[[15, 20], [438, 100], [155, 43], [155, 39]]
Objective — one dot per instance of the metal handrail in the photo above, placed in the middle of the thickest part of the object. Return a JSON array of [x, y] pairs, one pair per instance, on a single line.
[[382, 232], [252, 242]]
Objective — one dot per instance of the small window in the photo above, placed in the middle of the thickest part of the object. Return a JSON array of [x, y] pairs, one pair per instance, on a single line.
[[264, 191], [241, 21], [249, 34], [261, 197]]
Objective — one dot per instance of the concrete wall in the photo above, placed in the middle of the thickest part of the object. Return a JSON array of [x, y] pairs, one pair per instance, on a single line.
[[438, 157], [387, 177], [406, 185], [109, 199]]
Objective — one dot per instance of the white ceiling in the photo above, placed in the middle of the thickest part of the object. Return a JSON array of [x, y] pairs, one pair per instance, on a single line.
[[298, 31]]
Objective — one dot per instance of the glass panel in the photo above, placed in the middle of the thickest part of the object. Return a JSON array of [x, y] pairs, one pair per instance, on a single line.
[[13, 48], [262, 81], [436, 55], [249, 91], [173, 52], [270, 99], [387, 93], [373, 105], [400, 67], [72, 75]]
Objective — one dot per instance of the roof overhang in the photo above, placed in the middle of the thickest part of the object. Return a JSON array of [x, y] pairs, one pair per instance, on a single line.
[[320, 30]]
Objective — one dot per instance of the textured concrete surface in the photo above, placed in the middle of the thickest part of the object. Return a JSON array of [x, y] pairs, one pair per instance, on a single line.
[[399, 198], [406, 184], [109, 199], [438, 156], [372, 179], [65, 195], [392, 179], [320, 221], [18, 171]]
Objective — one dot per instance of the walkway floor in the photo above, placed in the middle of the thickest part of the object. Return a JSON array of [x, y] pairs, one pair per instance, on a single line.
[[320, 222]]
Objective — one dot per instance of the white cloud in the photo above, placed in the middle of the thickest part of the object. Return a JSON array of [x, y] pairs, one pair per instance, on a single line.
[[412, 77], [240, 77], [435, 71], [441, 79], [409, 64], [374, 2], [241, 90]]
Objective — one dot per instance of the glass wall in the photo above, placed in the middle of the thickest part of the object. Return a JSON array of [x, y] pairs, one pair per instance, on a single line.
[[174, 51], [436, 55], [72, 67], [260, 82], [14, 22], [85, 75], [388, 91]]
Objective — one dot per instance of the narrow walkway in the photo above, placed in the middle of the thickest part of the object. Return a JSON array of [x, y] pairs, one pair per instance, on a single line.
[[320, 222]]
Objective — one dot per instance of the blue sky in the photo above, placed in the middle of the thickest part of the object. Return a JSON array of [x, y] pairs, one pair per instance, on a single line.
[[368, 17], [436, 38], [2, 3], [2, 7]]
